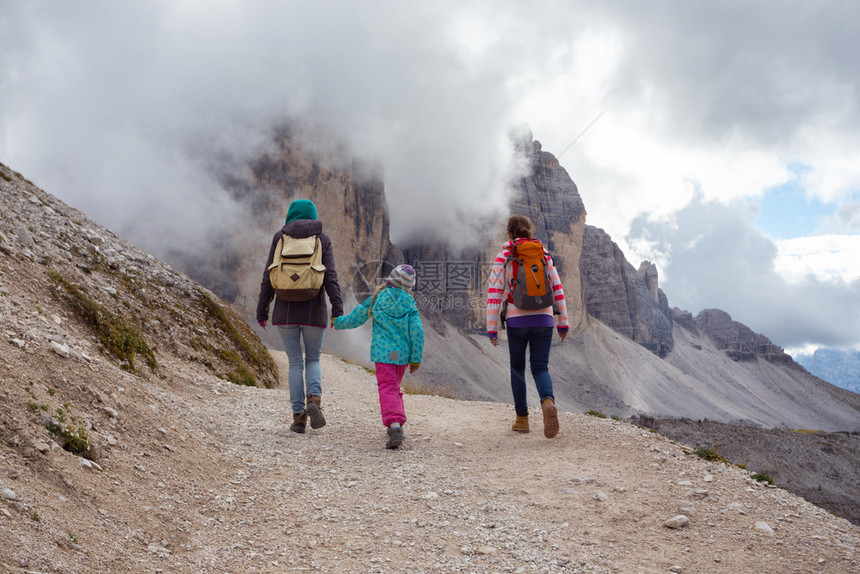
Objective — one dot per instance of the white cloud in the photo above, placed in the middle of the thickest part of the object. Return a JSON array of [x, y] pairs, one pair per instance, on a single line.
[[828, 258], [712, 256]]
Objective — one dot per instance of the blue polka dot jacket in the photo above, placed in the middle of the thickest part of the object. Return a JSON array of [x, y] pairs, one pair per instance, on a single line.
[[398, 336]]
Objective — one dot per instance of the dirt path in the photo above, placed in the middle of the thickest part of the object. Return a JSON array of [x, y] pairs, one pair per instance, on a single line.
[[222, 485]]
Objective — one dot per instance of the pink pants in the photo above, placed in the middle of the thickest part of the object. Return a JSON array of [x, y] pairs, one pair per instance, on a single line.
[[388, 379]]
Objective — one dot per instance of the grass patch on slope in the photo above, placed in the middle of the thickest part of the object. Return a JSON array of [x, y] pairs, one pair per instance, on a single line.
[[712, 455], [249, 350], [118, 337]]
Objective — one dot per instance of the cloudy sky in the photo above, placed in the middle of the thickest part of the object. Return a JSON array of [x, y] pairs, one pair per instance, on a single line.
[[726, 146]]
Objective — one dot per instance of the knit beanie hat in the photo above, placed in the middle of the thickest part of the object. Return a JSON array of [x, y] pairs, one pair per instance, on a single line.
[[301, 209], [403, 276]]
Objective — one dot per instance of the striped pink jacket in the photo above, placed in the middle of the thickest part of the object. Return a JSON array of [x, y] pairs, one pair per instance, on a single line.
[[500, 280]]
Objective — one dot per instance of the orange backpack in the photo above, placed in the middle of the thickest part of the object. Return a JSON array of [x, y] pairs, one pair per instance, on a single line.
[[531, 286]]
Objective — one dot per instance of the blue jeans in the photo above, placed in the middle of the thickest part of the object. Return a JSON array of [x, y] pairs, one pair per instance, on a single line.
[[538, 340], [309, 361]]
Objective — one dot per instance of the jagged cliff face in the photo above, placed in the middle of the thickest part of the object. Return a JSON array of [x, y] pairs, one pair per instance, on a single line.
[[630, 302], [737, 340], [455, 282], [627, 300], [350, 200], [550, 198]]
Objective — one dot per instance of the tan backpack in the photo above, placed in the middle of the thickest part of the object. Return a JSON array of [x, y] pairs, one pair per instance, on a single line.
[[297, 271]]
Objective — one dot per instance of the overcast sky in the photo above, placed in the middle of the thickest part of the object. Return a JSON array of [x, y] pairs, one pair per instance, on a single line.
[[726, 147]]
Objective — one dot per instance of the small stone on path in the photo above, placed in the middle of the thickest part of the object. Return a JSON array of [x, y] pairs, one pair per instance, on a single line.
[[677, 521], [764, 526]]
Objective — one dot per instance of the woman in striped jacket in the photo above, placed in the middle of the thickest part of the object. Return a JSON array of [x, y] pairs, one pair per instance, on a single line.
[[530, 330]]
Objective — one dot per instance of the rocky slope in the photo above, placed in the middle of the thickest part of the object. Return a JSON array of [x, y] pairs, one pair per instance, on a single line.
[[109, 302], [819, 466], [204, 475]]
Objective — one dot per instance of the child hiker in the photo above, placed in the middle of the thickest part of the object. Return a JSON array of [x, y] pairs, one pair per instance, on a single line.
[[398, 342]]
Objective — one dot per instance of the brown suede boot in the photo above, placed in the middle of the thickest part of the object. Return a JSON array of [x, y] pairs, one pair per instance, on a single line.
[[521, 424], [550, 418], [314, 411], [299, 422]]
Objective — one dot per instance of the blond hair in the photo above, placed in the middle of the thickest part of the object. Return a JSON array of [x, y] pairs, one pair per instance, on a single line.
[[372, 301]]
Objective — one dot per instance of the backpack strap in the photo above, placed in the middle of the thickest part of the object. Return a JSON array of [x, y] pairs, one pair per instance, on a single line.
[[276, 254], [511, 257], [514, 256]]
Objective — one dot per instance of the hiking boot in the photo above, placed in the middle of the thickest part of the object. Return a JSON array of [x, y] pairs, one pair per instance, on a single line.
[[521, 424], [395, 437], [314, 411], [299, 422], [550, 418]]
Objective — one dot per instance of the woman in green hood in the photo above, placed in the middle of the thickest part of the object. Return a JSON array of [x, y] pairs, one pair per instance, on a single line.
[[303, 321]]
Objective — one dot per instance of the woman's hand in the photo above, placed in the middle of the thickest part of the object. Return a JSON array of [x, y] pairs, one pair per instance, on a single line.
[[563, 335], [414, 367], [495, 341]]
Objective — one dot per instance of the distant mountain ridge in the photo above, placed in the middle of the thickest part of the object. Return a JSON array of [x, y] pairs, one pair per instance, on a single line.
[[842, 368]]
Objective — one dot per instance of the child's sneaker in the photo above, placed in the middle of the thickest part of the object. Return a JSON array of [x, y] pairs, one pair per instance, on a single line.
[[395, 437]]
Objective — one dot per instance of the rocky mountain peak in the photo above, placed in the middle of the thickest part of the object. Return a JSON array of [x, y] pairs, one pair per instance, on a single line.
[[738, 341], [648, 274], [549, 197], [545, 194], [626, 299]]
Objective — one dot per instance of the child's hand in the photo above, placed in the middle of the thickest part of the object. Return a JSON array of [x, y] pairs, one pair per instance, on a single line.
[[413, 367]]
